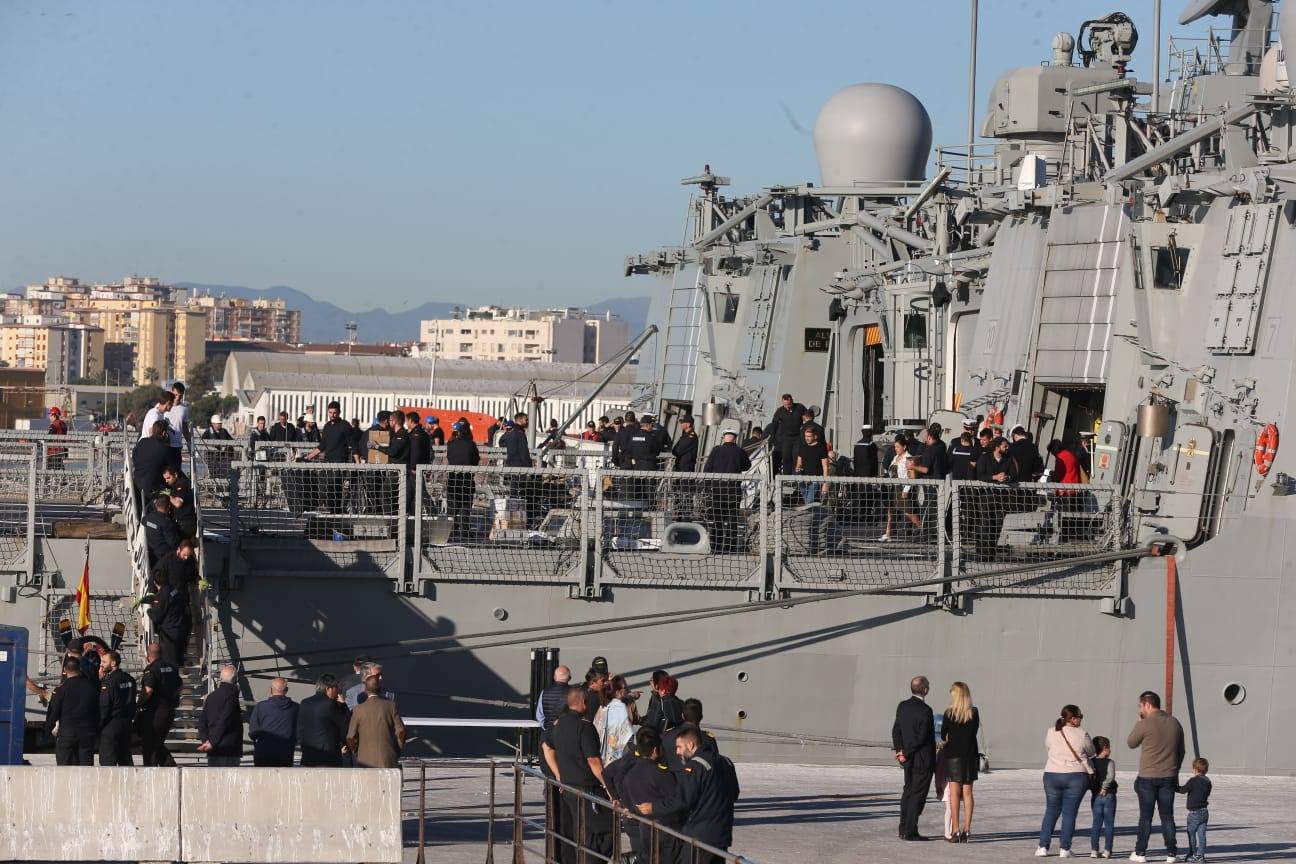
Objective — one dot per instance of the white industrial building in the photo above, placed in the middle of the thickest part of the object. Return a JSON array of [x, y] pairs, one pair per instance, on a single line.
[[269, 382], [528, 335]]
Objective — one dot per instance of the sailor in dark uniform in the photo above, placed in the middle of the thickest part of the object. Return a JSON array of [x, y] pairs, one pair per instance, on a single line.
[[726, 495], [645, 778], [708, 790], [784, 434], [74, 708], [685, 451], [117, 698], [864, 463], [159, 695], [629, 425], [461, 452]]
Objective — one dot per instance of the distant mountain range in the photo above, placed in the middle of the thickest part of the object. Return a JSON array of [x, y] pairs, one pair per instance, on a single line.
[[326, 322]]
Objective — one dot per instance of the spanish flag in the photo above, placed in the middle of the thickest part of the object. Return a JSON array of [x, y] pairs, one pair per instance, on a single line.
[[83, 596]]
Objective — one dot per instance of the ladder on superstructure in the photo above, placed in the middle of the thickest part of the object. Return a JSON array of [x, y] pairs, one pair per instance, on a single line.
[[684, 322]]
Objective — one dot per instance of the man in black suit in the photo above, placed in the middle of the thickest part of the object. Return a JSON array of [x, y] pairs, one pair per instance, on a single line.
[[220, 725], [322, 725], [913, 737]]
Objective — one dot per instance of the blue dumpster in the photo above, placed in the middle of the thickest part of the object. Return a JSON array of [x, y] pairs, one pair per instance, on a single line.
[[13, 693]]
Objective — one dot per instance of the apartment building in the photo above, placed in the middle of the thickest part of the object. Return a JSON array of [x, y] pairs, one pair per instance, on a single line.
[[141, 323], [65, 351], [536, 335], [259, 320]]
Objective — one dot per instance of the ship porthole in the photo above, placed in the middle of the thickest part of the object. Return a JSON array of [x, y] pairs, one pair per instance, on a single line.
[[500, 613], [742, 677], [1234, 694], [742, 715]]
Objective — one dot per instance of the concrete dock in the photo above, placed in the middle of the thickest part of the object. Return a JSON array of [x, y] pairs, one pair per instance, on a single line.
[[845, 815]]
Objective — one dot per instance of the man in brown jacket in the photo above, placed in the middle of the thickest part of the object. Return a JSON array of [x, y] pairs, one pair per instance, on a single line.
[[376, 734], [1161, 740]]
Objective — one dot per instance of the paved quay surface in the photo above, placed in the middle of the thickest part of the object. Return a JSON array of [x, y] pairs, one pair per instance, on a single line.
[[845, 815]]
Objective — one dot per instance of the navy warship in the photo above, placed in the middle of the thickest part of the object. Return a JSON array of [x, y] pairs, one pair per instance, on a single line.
[[1096, 261]]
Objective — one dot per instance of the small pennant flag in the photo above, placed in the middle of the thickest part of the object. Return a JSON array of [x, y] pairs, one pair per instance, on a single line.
[[83, 597]]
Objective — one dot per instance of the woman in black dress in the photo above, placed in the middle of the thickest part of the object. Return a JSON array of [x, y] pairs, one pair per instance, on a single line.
[[962, 757]]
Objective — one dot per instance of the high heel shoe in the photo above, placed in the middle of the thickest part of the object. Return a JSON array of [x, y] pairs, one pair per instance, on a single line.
[[963, 838]]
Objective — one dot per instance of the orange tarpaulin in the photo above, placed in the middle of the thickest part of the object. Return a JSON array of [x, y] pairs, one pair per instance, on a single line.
[[446, 418]]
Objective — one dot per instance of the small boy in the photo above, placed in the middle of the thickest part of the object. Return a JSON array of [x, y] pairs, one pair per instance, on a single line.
[[1103, 802], [1198, 789]]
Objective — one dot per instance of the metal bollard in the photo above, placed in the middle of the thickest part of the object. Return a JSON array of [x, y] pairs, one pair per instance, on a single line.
[[422, 808], [490, 819], [519, 856]]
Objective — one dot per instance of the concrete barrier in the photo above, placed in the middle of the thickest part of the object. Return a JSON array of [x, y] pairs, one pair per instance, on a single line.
[[89, 814], [261, 815], [276, 815]]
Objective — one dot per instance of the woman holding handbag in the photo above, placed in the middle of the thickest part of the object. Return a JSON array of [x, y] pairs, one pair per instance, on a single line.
[[1066, 778]]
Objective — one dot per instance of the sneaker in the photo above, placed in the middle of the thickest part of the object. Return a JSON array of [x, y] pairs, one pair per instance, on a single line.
[[885, 538], [1094, 854], [1171, 859], [1041, 852], [1136, 857], [1106, 853], [1065, 853]]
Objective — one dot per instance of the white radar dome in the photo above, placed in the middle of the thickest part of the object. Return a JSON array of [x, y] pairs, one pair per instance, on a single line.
[[872, 133], [1287, 31]]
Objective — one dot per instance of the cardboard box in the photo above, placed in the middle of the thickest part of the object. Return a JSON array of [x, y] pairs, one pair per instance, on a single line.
[[375, 456]]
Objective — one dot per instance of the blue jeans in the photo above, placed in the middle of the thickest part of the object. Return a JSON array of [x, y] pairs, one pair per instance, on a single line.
[[810, 492], [1197, 820], [1156, 793], [1104, 821], [1063, 793]]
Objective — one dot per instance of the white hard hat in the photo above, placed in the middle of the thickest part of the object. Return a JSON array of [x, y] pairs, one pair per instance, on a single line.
[[217, 420]]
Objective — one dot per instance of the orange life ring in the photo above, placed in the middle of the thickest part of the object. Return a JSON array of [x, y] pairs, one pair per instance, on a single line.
[[1266, 449]]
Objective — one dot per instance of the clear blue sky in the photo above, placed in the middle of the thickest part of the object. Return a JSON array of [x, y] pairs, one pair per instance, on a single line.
[[396, 152]]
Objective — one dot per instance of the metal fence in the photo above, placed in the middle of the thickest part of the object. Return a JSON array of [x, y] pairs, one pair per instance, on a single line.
[[839, 533], [76, 468], [595, 529], [319, 517], [494, 524], [17, 511], [669, 528], [1035, 527], [591, 832]]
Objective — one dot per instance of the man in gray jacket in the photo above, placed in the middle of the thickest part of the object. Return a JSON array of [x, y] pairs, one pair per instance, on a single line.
[[1160, 741]]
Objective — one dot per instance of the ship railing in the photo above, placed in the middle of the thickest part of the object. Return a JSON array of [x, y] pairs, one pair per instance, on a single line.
[[488, 523], [319, 518], [835, 533], [77, 468], [212, 472], [137, 550], [680, 529], [208, 593], [1015, 526], [540, 834], [978, 166], [1191, 56], [18, 512]]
